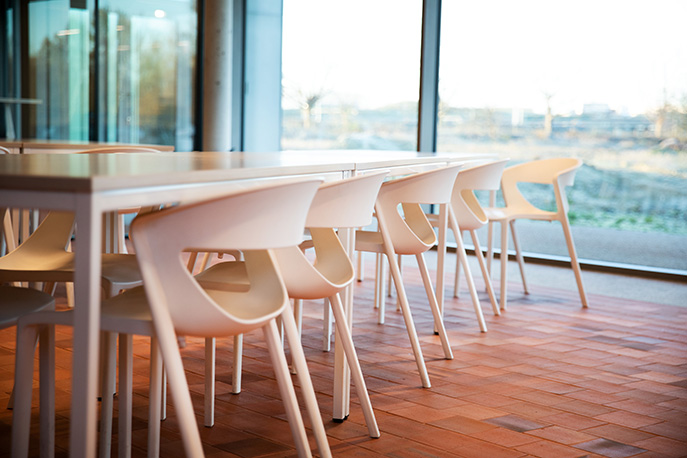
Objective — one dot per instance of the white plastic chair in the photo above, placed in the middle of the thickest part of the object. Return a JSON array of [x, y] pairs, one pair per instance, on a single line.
[[468, 215], [43, 257], [337, 205], [252, 220], [559, 173], [14, 303], [410, 233]]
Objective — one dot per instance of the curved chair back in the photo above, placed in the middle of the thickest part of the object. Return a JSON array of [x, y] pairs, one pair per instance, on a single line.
[[4, 150], [253, 221], [484, 177], [411, 232], [340, 204], [559, 172], [345, 203], [52, 236]]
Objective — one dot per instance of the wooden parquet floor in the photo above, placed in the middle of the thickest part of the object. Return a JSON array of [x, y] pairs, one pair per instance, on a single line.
[[548, 379]]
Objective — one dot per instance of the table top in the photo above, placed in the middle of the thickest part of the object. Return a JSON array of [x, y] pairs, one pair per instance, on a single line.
[[112, 171], [70, 146]]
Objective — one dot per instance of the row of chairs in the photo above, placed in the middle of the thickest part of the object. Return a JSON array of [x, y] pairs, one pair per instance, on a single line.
[[231, 298]]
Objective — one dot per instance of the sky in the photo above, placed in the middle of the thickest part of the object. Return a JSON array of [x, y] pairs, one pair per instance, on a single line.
[[629, 54]]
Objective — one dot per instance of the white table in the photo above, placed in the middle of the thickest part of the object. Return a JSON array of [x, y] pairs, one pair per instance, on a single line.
[[91, 185]]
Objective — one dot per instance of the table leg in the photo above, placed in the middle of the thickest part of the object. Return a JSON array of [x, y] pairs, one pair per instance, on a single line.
[[82, 441]]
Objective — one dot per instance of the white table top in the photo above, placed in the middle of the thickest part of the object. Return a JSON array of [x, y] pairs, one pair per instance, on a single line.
[[102, 172]]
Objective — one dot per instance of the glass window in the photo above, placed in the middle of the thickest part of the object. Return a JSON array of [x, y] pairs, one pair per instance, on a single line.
[[351, 74], [136, 85], [602, 81], [148, 71], [59, 47]]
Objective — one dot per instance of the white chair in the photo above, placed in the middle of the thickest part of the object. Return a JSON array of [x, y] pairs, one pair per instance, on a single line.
[[559, 173], [337, 205], [252, 220], [43, 257], [468, 215], [410, 233]]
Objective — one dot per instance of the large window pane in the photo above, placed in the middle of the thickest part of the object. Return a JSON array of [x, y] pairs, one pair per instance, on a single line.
[[602, 81], [59, 47], [148, 71], [351, 74]]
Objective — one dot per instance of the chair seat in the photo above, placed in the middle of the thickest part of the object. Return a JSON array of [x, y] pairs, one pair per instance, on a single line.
[[515, 212], [59, 267], [21, 301]]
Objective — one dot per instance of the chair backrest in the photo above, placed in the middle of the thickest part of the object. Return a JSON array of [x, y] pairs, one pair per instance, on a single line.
[[544, 171], [558, 172], [411, 232], [51, 236], [253, 220], [464, 203], [4, 150], [119, 149], [339, 204], [345, 203]]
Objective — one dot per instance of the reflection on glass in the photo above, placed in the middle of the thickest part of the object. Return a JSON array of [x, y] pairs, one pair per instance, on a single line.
[[145, 62], [351, 74], [148, 65], [59, 47], [602, 81]]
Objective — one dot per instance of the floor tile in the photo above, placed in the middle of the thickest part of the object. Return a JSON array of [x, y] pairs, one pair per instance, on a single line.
[[609, 448]]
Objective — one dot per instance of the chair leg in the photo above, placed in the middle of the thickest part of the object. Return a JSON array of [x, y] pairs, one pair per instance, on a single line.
[[178, 385], [23, 388], [294, 340], [434, 306], [573, 260], [109, 344], [126, 359], [354, 363], [121, 235], [380, 293], [504, 263], [462, 255], [326, 327], [209, 405], [238, 364], [408, 319], [154, 400], [286, 388], [10, 402], [490, 246], [518, 256], [46, 350], [390, 289], [360, 272], [485, 274], [69, 287], [298, 315], [163, 396], [456, 277], [107, 371]]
